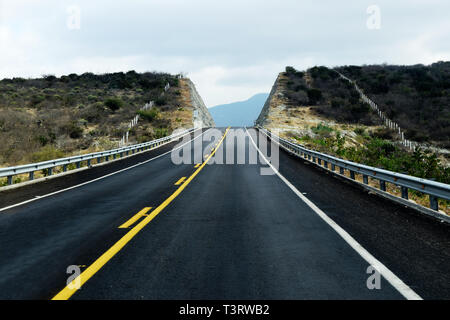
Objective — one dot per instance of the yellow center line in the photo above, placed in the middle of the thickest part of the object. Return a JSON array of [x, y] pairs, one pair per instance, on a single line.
[[180, 181], [135, 218], [71, 288], [197, 165]]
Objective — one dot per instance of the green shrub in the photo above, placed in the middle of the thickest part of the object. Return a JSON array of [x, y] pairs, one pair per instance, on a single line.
[[114, 103], [383, 133], [290, 70], [72, 129], [47, 153], [161, 100], [36, 99], [336, 103], [43, 140], [321, 129], [150, 114], [314, 95], [161, 132]]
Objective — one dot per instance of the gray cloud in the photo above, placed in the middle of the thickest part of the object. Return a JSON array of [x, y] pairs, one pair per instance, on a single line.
[[231, 49]]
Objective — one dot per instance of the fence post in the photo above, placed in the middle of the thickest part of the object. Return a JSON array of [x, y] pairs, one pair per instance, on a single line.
[[405, 193], [352, 174], [382, 185], [434, 203]]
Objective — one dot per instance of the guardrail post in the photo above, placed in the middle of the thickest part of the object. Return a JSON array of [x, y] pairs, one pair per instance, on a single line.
[[333, 167], [314, 159], [50, 171], [382, 185], [99, 159], [434, 203], [341, 170], [31, 176], [319, 161], [114, 156], [9, 180], [325, 164], [65, 168], [89, 162], [78, 164], [365, 179], [405, 193], [352, 174]]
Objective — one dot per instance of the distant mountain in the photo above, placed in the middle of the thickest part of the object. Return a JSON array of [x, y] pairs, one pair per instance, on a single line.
[[238, 114]]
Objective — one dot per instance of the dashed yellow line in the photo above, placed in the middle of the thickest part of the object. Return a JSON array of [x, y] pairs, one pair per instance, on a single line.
[[135, 218], [71, 288], [180, 181]]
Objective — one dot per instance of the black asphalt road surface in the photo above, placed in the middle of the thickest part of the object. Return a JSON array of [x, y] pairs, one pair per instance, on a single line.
[[231, 233]]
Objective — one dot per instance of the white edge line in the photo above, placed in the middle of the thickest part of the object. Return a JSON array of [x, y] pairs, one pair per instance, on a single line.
[[395, 281], [96, 179]]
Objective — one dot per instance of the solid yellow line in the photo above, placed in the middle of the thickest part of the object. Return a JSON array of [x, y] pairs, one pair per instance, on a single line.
[[67, 292], [197, 165], [135, 218], [180, 181]]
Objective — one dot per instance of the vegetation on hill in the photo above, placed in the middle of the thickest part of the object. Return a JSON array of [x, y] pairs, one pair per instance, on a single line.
[[50, 116], [377, 152], [335, 99], [329, 96], [417, 97]]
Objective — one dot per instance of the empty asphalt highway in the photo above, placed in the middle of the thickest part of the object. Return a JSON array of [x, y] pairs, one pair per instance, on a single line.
[[206, 230]]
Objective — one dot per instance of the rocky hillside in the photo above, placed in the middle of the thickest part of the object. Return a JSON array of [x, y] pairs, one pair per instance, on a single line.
[[416, 97], [52, 117], [319, 109]]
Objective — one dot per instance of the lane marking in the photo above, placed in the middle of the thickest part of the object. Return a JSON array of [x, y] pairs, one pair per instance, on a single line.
[[99, 178], [70, 289], [197, 165], [180, 181], [395, 281], [135, 218]]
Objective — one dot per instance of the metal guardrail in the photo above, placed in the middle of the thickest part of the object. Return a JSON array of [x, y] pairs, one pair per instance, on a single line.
[[49, 165], [435, 190]]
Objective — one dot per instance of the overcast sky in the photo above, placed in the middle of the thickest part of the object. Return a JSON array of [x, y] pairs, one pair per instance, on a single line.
[[230, 49]]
